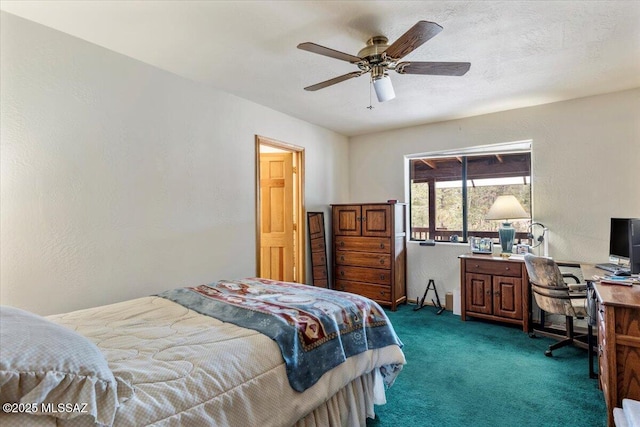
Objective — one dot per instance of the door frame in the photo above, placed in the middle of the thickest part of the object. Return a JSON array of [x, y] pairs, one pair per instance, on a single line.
[[299, 209]]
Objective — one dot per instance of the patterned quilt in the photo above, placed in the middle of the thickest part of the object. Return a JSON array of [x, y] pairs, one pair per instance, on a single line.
[[316, 329]]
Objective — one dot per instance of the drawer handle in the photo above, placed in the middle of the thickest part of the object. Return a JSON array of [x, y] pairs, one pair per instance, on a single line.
[[342, 273], [341, 257], [506, 268], [381, 260], [342, 243], [381, 245], [382, 293], [382, 276], [476, 266], [497, 293]]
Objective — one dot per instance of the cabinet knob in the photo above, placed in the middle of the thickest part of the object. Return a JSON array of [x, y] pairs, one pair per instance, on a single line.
[[477, 266], [381, 293], [488, 292], [497, 293], [506, 268], [341, 257], [381, 245], [381, 260], [342, 273], [382, 276], [342, 243]]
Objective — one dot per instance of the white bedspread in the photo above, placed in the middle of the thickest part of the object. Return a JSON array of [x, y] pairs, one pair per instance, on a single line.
[[190, 369]]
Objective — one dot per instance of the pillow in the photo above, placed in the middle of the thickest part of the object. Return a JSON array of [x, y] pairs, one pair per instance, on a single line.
[[47, 364]]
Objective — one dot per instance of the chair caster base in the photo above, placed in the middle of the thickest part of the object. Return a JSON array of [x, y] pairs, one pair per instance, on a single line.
[[548, 353]]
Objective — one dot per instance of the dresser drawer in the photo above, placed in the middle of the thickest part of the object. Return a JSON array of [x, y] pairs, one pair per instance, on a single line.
[[375, 292], [493, 267], [362, 274], [319, 273], [363, 244], [319, 258], [317, 244], [321, 283], [363, 259]]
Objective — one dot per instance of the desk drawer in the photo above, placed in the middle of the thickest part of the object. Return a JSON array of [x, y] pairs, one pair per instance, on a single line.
[[501, 268]]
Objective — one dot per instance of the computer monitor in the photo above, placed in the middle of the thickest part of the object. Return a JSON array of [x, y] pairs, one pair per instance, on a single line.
[[624, 243]]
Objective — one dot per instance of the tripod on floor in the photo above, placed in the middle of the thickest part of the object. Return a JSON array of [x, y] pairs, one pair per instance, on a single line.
[[430, 286]]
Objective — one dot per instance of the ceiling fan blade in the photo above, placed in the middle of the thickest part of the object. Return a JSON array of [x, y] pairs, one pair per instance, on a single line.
[[331, 53], [434, 68], [334, 80], [415, 37]]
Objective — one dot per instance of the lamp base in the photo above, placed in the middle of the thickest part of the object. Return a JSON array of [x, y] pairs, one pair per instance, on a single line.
[[507, 234]]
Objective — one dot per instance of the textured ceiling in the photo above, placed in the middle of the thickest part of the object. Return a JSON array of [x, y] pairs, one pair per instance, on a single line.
[[522, 53]]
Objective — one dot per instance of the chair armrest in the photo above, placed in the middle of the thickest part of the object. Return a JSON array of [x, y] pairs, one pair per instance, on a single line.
[[571, 276], [577, 287]]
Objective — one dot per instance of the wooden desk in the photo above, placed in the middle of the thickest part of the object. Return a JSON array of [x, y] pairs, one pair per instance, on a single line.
[[494, 288], [618, 318]]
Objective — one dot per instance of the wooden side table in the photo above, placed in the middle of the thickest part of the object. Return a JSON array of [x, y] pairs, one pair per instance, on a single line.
[[494, 288]]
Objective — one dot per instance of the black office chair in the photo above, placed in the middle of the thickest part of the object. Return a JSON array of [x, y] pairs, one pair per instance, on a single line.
[[554, 296]]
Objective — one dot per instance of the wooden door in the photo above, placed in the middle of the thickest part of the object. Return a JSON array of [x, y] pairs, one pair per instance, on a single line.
[[276, 215]]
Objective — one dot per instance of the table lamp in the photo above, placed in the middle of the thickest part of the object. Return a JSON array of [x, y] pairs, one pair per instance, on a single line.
[[506, 208]]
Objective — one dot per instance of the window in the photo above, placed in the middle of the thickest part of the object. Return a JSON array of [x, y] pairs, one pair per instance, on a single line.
[[451, 193]]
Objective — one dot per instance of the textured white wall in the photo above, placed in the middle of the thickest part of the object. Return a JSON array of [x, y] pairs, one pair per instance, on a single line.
[[120, 180], [586, 157]]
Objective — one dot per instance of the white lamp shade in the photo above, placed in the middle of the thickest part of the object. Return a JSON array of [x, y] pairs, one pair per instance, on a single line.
[[505, 208], [384, 88]]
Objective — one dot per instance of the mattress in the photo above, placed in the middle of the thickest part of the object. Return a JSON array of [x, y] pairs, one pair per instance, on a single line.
[[191, 369]]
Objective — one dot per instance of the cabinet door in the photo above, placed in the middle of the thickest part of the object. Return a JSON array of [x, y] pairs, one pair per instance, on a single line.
[[376, 220], [507, 297], [347, 220], [478, 293]]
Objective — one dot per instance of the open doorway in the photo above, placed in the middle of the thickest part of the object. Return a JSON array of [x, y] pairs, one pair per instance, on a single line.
[[280, 225]]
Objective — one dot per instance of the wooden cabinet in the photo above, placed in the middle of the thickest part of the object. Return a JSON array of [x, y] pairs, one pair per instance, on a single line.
[[495, 289], [369, 256], [618, 344]]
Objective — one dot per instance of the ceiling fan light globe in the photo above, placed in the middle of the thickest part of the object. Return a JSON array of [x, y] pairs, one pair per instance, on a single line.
[[384, 88]]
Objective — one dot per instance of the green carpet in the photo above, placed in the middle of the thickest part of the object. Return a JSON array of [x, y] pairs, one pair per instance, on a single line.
[[478, 374]]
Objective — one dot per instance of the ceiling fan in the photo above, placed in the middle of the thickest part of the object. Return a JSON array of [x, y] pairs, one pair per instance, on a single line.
[[377, 57]]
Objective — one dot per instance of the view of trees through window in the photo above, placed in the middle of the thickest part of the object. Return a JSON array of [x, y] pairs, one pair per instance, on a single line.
[[437, 194]]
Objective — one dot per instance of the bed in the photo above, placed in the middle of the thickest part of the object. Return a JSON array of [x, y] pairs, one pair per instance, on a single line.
[[165, 360]]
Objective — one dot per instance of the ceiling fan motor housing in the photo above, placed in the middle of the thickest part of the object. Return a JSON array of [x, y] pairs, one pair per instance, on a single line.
[[372, 53]]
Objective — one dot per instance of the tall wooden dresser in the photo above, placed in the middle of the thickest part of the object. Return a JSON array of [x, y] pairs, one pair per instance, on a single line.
[[369, 256]]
